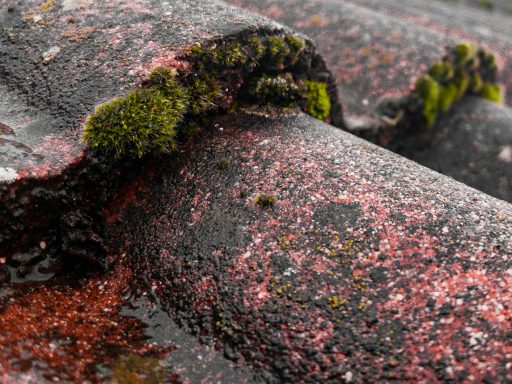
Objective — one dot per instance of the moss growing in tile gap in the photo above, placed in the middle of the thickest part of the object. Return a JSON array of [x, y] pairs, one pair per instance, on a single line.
[[142, 122], [152, 118], [465, 70], [281, 90], [318, 101]]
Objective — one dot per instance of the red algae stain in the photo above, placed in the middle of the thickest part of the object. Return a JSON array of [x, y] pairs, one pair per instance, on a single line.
[[127, 195], [63, 331]]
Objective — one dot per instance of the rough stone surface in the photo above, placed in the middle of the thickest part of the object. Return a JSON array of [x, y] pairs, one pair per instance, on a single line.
[[367, 265], [472, 143]]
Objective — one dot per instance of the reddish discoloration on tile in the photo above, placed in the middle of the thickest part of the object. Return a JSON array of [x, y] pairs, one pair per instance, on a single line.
[[67, 329]]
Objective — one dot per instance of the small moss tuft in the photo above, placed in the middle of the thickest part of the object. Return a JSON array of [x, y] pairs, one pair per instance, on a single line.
[[429, 91], [318, 103], [203, 91], [492, 92], [447, 96], [461, 82], [296, 45], [475, 83], [162, 78], [277, 49], [223, 164], [441, 71], [281, 90], [464, 52], [487, 60], [226, 55], [265, 201], [255, 50], [140, 123]]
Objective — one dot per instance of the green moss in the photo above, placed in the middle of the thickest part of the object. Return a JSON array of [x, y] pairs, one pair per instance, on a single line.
[[296, 45], [488, 61], [281, 90], [227, 55], [135, 369], [150, 119], [142, 122], [441, 71], [249, 52], [203, 91], [277, 49], [464, 70], [254, 50], [318, 101], [162, 78], [447, 96], [461, 82], [492, 92], [487, 4], [429, 91], [464, 52], [265, 201], [475, 83], [223, 164]]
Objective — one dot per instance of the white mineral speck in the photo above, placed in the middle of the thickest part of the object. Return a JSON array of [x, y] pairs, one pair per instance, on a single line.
[[7, 175], [50, 54], [506, 154]]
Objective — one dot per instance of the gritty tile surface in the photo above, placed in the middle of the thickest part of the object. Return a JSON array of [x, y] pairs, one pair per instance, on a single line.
[[367, 267]]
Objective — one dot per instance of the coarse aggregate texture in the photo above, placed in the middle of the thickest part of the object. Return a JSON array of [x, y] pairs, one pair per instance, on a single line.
[[366, 267]]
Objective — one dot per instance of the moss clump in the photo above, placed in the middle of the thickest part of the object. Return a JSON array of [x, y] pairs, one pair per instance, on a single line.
[[492, 92], [203, 91], [281, 90], [447, 96], [137, 124], [223, 164], [461, 82], [227, 55], [163, 79], [475, 83], [150, 118], [487, 4], [464, 70], [296, 45], [464, 52], [441, 71], [265, 201], [318, 101], [135, 369], [429, 91], [488, 60], [277, 49]]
